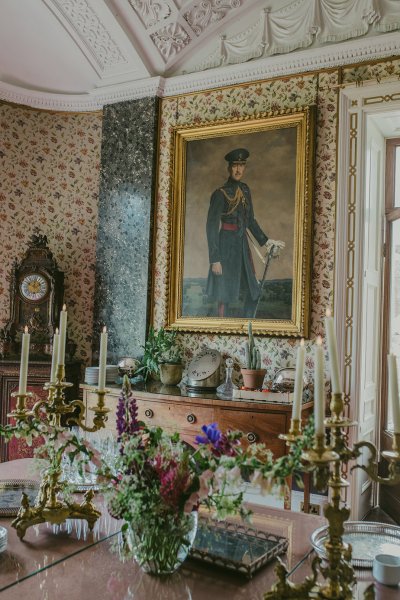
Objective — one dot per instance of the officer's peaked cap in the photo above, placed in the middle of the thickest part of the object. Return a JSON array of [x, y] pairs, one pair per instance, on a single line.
[[239, 155]]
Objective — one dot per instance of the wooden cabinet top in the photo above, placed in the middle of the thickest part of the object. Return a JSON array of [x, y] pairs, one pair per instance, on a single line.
[[154, 391]]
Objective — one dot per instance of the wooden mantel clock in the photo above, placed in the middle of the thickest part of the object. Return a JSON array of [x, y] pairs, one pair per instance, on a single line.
[[36, 295]]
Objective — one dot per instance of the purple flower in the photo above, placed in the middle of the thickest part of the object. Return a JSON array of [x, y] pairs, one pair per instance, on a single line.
[[127, 411], [213, 435]]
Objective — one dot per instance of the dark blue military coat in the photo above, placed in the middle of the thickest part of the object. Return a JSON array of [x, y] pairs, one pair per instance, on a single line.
[[230, 213]]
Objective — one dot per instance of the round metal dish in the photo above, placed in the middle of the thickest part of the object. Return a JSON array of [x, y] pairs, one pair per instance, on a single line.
[[367, 539]]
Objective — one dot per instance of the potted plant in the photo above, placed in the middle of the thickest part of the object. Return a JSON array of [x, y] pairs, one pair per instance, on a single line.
[[171, 366], [160, 347], [253, 374]]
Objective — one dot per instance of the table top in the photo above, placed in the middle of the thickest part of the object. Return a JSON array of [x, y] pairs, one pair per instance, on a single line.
[[70, 561]]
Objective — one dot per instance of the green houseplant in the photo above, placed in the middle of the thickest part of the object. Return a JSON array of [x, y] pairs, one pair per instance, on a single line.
[[160, 348]]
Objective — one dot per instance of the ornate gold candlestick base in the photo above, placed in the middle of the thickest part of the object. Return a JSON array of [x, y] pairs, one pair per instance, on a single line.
[[44, 512]]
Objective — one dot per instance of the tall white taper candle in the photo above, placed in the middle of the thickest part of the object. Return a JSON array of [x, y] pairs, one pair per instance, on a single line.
[[23, 370], [332, 350], [394, 392], [319, 388], [103, 359], [54, 358], [63, 335], [298, 382]]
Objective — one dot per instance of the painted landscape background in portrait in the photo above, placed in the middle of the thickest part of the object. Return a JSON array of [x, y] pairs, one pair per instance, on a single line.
[[271, 175]]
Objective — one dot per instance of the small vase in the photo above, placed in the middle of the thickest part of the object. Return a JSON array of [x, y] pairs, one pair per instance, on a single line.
[[253, 378], [170, 373], [161, 545]]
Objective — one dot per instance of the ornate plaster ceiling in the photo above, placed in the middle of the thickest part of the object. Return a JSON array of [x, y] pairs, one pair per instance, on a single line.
[[81, 54]]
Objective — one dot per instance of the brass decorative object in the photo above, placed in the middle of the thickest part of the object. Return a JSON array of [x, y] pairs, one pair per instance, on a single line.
[[334, 578], [49, 507]]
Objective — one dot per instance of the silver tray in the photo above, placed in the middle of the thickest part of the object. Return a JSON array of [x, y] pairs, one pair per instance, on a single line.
[[366, 538], [11, 493], [235, 546]]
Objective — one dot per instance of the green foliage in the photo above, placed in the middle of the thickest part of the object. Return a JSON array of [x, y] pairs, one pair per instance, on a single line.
[[252, 354], [160, 346]]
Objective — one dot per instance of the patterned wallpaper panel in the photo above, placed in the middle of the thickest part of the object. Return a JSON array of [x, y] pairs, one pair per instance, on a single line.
[[253, 99], [235, 103], [49, 179], [125, 209]]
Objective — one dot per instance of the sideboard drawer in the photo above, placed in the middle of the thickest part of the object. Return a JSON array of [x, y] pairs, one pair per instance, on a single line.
[[256, 426], [174, 417]]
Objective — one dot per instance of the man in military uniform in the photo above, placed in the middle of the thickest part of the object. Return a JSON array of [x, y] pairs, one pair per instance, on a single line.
[[229, 217]]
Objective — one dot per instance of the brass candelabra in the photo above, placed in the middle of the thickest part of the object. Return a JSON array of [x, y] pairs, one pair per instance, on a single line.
[[333, 578], [50, 506]]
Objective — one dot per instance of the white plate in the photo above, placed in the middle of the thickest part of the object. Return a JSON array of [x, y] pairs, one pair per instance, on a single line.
[[204, 364]]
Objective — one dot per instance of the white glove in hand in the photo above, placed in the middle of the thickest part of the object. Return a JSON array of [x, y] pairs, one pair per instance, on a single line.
[[276, 246]]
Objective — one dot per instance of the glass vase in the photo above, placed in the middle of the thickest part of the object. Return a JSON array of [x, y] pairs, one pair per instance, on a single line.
[[160, 545]]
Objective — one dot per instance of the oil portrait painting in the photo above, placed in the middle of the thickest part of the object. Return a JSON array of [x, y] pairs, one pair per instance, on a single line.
[[241, 226]]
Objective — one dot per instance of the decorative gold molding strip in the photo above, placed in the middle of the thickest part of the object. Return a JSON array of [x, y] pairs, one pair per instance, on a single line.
[[351, 238], [381, 99]]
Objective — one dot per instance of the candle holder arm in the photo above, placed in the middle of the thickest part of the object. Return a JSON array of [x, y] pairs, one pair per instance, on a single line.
[[99, 420], [371, 468]]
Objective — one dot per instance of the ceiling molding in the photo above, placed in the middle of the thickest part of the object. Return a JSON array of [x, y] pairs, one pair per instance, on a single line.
[[354, 51]]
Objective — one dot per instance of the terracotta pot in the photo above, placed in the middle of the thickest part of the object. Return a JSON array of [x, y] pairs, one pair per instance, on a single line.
[[253, 378], [170, 373]]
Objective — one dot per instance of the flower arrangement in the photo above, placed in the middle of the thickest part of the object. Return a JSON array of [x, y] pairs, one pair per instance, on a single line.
[[160, 481]]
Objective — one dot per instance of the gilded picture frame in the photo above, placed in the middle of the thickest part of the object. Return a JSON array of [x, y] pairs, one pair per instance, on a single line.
[[277, 152]]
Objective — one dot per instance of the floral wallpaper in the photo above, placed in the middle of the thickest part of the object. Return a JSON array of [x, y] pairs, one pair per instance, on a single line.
[[49, 165], [293, 92]]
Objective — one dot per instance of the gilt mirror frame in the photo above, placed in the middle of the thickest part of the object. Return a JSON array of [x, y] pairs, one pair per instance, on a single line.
[[279, 174]]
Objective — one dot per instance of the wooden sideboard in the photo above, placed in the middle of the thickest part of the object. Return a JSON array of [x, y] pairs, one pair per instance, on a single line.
[[38, 375], [174, 410]]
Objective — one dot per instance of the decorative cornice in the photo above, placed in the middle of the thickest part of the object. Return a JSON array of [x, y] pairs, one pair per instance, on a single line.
[[346, 53], [87, 26]]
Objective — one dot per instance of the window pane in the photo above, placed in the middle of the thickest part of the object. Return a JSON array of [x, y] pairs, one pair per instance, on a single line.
[[394, 330], [397, 178]]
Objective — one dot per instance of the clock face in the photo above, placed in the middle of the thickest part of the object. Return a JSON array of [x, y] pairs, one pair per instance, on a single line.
[[34, 287]]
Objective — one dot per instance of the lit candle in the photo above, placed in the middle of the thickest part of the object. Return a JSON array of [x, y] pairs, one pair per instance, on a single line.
[[298, 382], [103, 359], [23, 371], [54, 358], [63, 336], [394, 392], [332, 349], [319, 396]]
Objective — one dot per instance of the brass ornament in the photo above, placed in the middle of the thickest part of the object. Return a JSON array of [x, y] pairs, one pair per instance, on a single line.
[[49, 507], [334, 578]]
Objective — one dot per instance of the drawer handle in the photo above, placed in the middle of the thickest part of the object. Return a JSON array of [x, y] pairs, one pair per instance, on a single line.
[[149, 413], [252, 437], [191, 418]]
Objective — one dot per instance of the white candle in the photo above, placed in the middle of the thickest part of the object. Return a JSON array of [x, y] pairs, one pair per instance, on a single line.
[[63, 336], [394, 392], [319, 388], [103, 359], [54, 358], [332, 350], [298, 382], [23, 371]]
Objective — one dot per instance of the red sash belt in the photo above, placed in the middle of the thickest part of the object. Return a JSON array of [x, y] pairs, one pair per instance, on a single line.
[[229, 226]]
